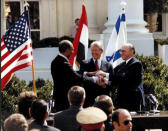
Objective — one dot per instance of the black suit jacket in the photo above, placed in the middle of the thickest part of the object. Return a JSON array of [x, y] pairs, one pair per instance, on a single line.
[[128, 80], [64, 78], [66, 120], [92, 91], [40, 125]]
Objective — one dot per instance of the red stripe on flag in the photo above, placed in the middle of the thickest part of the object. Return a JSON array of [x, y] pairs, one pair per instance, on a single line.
[[3, 47], [13, 58], [5, 55], [83, 20], [24, 57], [6, 78]]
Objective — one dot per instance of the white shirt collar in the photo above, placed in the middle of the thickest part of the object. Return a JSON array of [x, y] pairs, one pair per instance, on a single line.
[[63, 56], [98, 61]]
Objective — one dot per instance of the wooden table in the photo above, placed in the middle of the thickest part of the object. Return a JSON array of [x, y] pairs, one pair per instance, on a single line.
[[150, 121]]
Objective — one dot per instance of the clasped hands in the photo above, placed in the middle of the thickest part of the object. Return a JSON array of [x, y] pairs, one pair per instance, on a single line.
[[101, 77]]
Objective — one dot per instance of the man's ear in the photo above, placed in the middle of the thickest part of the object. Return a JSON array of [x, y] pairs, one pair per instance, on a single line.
[[46, 116], [115, 124]]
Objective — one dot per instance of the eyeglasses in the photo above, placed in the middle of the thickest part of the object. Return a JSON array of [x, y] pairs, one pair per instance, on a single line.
[[126, 122]]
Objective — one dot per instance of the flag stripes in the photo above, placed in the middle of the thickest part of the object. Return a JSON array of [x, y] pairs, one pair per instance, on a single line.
[[16, 49], [80, 42]]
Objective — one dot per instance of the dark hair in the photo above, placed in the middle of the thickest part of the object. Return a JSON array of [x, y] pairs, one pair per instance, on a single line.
[[64, 45], [76, 94], [38, 109], [105, 103], [115, 116], [25, 100], [76, 19]]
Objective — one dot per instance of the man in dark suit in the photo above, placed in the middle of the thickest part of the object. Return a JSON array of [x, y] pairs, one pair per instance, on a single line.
[[90, 67], [66, 120], [39, 112], [64, 76], [128, 80]]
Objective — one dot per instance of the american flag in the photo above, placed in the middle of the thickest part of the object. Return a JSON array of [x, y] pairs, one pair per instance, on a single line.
[[16, 48]]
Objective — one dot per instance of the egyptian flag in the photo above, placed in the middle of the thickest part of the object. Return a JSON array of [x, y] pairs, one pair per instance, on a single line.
[[80, 42]]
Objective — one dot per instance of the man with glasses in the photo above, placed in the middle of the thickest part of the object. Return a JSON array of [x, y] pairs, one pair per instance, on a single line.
[[122, 120]]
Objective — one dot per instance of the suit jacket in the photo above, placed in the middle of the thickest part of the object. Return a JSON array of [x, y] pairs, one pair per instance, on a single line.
[[92, 91], [64, 78], [66, 120], [128, 80], [41, 126]]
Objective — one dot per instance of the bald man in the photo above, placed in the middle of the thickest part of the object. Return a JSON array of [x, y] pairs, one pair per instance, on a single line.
[[122, 120], [128, 80]]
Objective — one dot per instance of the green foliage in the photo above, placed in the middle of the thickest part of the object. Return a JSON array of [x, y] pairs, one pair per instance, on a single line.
[[45, 91], [39, 83], [161, 41], [155, 79], [9, 96]]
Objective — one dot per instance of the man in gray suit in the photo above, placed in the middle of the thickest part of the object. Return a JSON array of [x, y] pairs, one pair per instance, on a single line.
[[90, 67], [66, 120]]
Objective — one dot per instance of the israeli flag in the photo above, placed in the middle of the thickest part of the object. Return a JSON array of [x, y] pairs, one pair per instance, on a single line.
[[117, 39]]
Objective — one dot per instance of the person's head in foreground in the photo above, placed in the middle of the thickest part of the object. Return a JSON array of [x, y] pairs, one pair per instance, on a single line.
[[91, 119], [25, 100], [76, 96], [39, 110], [122, 120], [16, 122], [105, 103]]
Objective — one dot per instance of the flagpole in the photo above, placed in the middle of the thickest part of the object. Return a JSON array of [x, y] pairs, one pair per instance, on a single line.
[[34, 82]]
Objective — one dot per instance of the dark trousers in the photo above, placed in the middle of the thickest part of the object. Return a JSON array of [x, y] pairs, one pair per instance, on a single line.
[[129, 100]]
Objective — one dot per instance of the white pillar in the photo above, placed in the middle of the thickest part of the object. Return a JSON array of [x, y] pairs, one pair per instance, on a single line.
[[165, 23], [60, 18], [91, 9], [48, 20], [137, 33]]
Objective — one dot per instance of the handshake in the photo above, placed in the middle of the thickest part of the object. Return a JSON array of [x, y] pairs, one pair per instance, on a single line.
[[99, 76]]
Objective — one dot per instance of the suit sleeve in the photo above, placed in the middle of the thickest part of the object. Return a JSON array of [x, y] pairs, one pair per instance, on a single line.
[[76, 76], [82, 68]]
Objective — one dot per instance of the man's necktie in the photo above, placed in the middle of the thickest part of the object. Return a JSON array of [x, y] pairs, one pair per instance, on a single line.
[[97, 66]]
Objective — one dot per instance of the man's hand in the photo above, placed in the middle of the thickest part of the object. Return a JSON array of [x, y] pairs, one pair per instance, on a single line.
[[101, 81], [91, 73], [100, 73]]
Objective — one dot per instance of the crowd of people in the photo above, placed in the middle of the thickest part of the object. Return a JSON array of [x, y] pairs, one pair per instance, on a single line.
[[33, 114], [83, 100]]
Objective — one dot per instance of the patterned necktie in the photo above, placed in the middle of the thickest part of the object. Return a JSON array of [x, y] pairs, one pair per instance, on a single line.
[[97, 66]]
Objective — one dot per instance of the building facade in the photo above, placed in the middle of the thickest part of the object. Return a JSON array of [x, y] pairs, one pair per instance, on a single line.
[[56, 18]]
